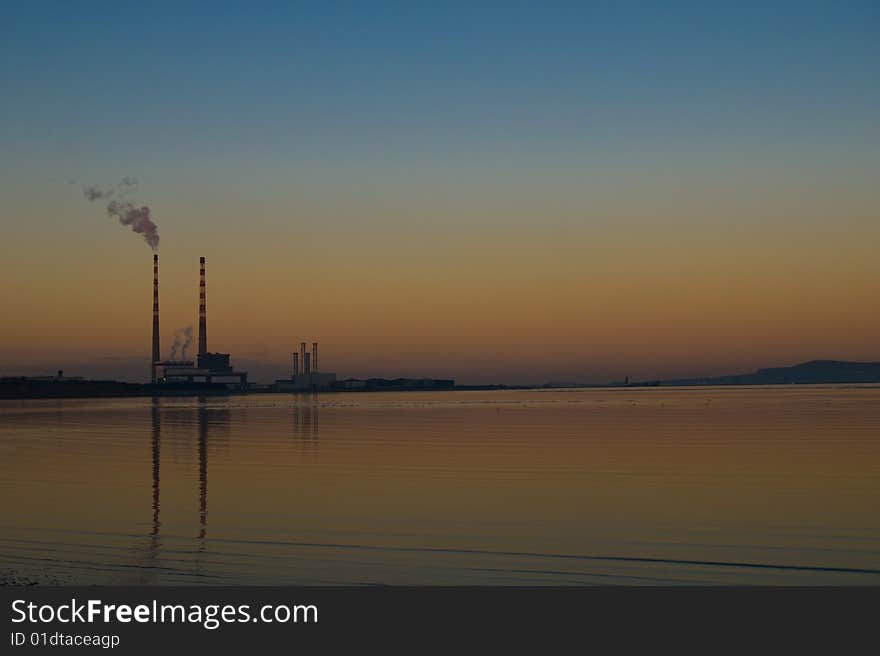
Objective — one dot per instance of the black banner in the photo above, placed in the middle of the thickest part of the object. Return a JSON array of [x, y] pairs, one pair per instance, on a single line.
[[145, 620]]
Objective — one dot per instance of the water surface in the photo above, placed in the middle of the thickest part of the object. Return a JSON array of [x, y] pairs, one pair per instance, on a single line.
[[604, 486]]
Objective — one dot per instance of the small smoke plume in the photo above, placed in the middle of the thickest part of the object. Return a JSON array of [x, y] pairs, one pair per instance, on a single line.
[[126, 212], [182, 341]]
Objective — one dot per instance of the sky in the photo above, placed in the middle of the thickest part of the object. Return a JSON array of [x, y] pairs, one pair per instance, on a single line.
[[493, 192]]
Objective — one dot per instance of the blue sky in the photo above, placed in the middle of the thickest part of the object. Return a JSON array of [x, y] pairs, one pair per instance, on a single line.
[[340, 77]]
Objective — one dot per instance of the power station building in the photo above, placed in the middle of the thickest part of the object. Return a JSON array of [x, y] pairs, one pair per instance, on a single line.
[[306, 375], [209, 368]]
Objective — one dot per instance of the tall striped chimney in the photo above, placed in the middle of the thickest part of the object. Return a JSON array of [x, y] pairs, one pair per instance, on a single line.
[[302, 357], [203, 324], [314, 356], [156, 355], [295, 363]]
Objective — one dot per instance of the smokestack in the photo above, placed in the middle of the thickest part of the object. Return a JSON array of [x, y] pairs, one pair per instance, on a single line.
[[302, 356], [203, 322], [296, 364], [306, 366], [314, 356], [156, 352]]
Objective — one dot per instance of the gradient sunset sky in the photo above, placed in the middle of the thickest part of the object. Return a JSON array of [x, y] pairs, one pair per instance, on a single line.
[[495, 192]]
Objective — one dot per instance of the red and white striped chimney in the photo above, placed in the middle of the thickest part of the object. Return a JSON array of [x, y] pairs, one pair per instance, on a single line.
[[203, 323], [156, 355]]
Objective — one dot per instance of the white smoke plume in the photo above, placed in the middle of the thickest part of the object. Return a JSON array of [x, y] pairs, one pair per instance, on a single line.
[[182, 341], [128, 214]]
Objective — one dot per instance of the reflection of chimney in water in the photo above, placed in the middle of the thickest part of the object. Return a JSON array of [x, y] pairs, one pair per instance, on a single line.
[[305, 422], [203, 470], [154, 533], [315, 423]]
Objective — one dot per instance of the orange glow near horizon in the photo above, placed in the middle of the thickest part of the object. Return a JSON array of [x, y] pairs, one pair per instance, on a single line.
[[528, 305]]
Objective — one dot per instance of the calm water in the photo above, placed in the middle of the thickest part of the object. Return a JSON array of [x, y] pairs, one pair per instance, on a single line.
[[655, 486]]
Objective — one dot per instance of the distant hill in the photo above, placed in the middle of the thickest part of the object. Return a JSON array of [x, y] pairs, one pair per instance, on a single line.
[[812, 372]]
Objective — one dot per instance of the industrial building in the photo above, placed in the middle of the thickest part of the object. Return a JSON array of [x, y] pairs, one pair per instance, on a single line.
[[395, 384], [306, 375], [209, 368], [212, 371]]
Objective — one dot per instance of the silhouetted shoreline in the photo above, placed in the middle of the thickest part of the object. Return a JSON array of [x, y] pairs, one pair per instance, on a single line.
[[814, 372]]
